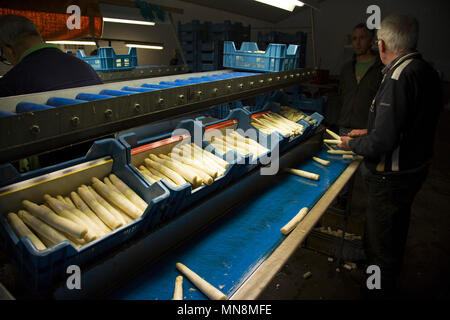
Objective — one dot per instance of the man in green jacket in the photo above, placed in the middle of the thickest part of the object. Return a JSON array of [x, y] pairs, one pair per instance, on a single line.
[[359, 81], [358, 84]]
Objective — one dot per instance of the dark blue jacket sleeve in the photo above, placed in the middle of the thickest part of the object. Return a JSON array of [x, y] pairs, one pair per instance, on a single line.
[[391, 114]]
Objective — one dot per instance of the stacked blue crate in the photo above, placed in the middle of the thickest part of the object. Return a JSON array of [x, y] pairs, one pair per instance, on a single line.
[[190, 36], [202, 44], [277, 57], [108, 60], [298, 38]]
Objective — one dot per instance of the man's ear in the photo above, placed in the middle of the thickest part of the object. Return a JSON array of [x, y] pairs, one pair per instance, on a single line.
[[381, 46]]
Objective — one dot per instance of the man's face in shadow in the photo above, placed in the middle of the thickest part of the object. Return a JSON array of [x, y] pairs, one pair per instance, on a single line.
[[361, 41]]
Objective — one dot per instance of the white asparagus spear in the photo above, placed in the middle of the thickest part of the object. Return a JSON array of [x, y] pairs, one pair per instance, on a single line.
[[205, 287], [83, 207], [174, 176], [179, 168], [249, 141], [211, 171], [54, 220], [147, 177], [178, 291], [304, 174], [42, 228], [294, 221], [22, 230], [104, 215], [332, 141], [321, 161], [340, 152], [119, 214], [70, 202], [79, 242], [128, 192], [80, 214], [105, 204], [209, 155], [160, 175], [60, 198], [207, 179], [123, 214], [348, 156], [117, 198], [45, 241], [62, 209], [229, 145], [334, 135]]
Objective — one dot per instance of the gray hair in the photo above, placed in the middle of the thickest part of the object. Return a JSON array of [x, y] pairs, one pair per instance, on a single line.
[[399, 32], [14, 29]]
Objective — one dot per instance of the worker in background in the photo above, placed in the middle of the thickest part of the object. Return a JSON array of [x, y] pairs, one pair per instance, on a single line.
[[358, 83], [359, 80], [38, 66], [397, 145]]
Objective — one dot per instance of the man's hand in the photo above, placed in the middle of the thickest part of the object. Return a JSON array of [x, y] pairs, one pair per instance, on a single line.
[[356, 133], [344, 144]]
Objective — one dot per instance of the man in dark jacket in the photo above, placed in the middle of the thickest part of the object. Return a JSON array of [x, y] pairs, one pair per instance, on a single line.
[[38, 66], [398, 144], [359, 81]]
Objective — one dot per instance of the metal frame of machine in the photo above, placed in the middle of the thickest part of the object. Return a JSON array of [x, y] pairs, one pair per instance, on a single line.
[[54, 128]]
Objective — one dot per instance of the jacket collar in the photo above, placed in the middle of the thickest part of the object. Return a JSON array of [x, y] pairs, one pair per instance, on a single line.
[[400, 59]]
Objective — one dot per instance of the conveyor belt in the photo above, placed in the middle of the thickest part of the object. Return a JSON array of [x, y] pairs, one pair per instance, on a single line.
[[227, 252]]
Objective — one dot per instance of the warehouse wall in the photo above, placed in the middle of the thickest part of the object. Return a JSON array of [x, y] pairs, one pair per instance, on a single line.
[[162, 32], [336, 19]]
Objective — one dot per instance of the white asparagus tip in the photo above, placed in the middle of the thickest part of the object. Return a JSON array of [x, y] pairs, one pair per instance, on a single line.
[[209, 290]]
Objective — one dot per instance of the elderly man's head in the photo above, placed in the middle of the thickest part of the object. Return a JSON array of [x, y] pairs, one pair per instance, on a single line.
[[362, 39], [17, 34], [398, 34]]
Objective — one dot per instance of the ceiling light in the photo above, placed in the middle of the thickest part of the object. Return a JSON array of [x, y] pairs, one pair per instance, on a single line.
[[81, 43], [288, 5], [143, 46], [145, 23]]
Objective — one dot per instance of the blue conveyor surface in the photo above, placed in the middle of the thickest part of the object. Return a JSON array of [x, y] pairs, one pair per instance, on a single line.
[[228, 251]]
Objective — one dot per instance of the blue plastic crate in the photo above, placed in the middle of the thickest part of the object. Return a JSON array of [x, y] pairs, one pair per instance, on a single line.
[[277, 57], [108, 60], [141, 143], [42, 270], [239, 119], [311, 104], [287, 141]]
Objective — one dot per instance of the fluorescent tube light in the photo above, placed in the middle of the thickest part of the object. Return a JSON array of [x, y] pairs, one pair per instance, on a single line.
[[145, 23], [81, 43], [144, 46], [288, 5]]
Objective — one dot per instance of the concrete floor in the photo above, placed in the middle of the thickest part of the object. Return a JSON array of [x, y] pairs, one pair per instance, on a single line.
[[427, 257]]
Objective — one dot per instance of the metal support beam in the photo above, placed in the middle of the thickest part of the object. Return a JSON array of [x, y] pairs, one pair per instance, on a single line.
[[36, 132]]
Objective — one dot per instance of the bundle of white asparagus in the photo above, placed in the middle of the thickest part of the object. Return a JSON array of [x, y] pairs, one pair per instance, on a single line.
[[233, 140], [270, 122], [87, 214], [186, 163], [295, 115]]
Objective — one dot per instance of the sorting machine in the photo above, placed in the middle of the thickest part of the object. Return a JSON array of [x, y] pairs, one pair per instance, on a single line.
[[228, 231]]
